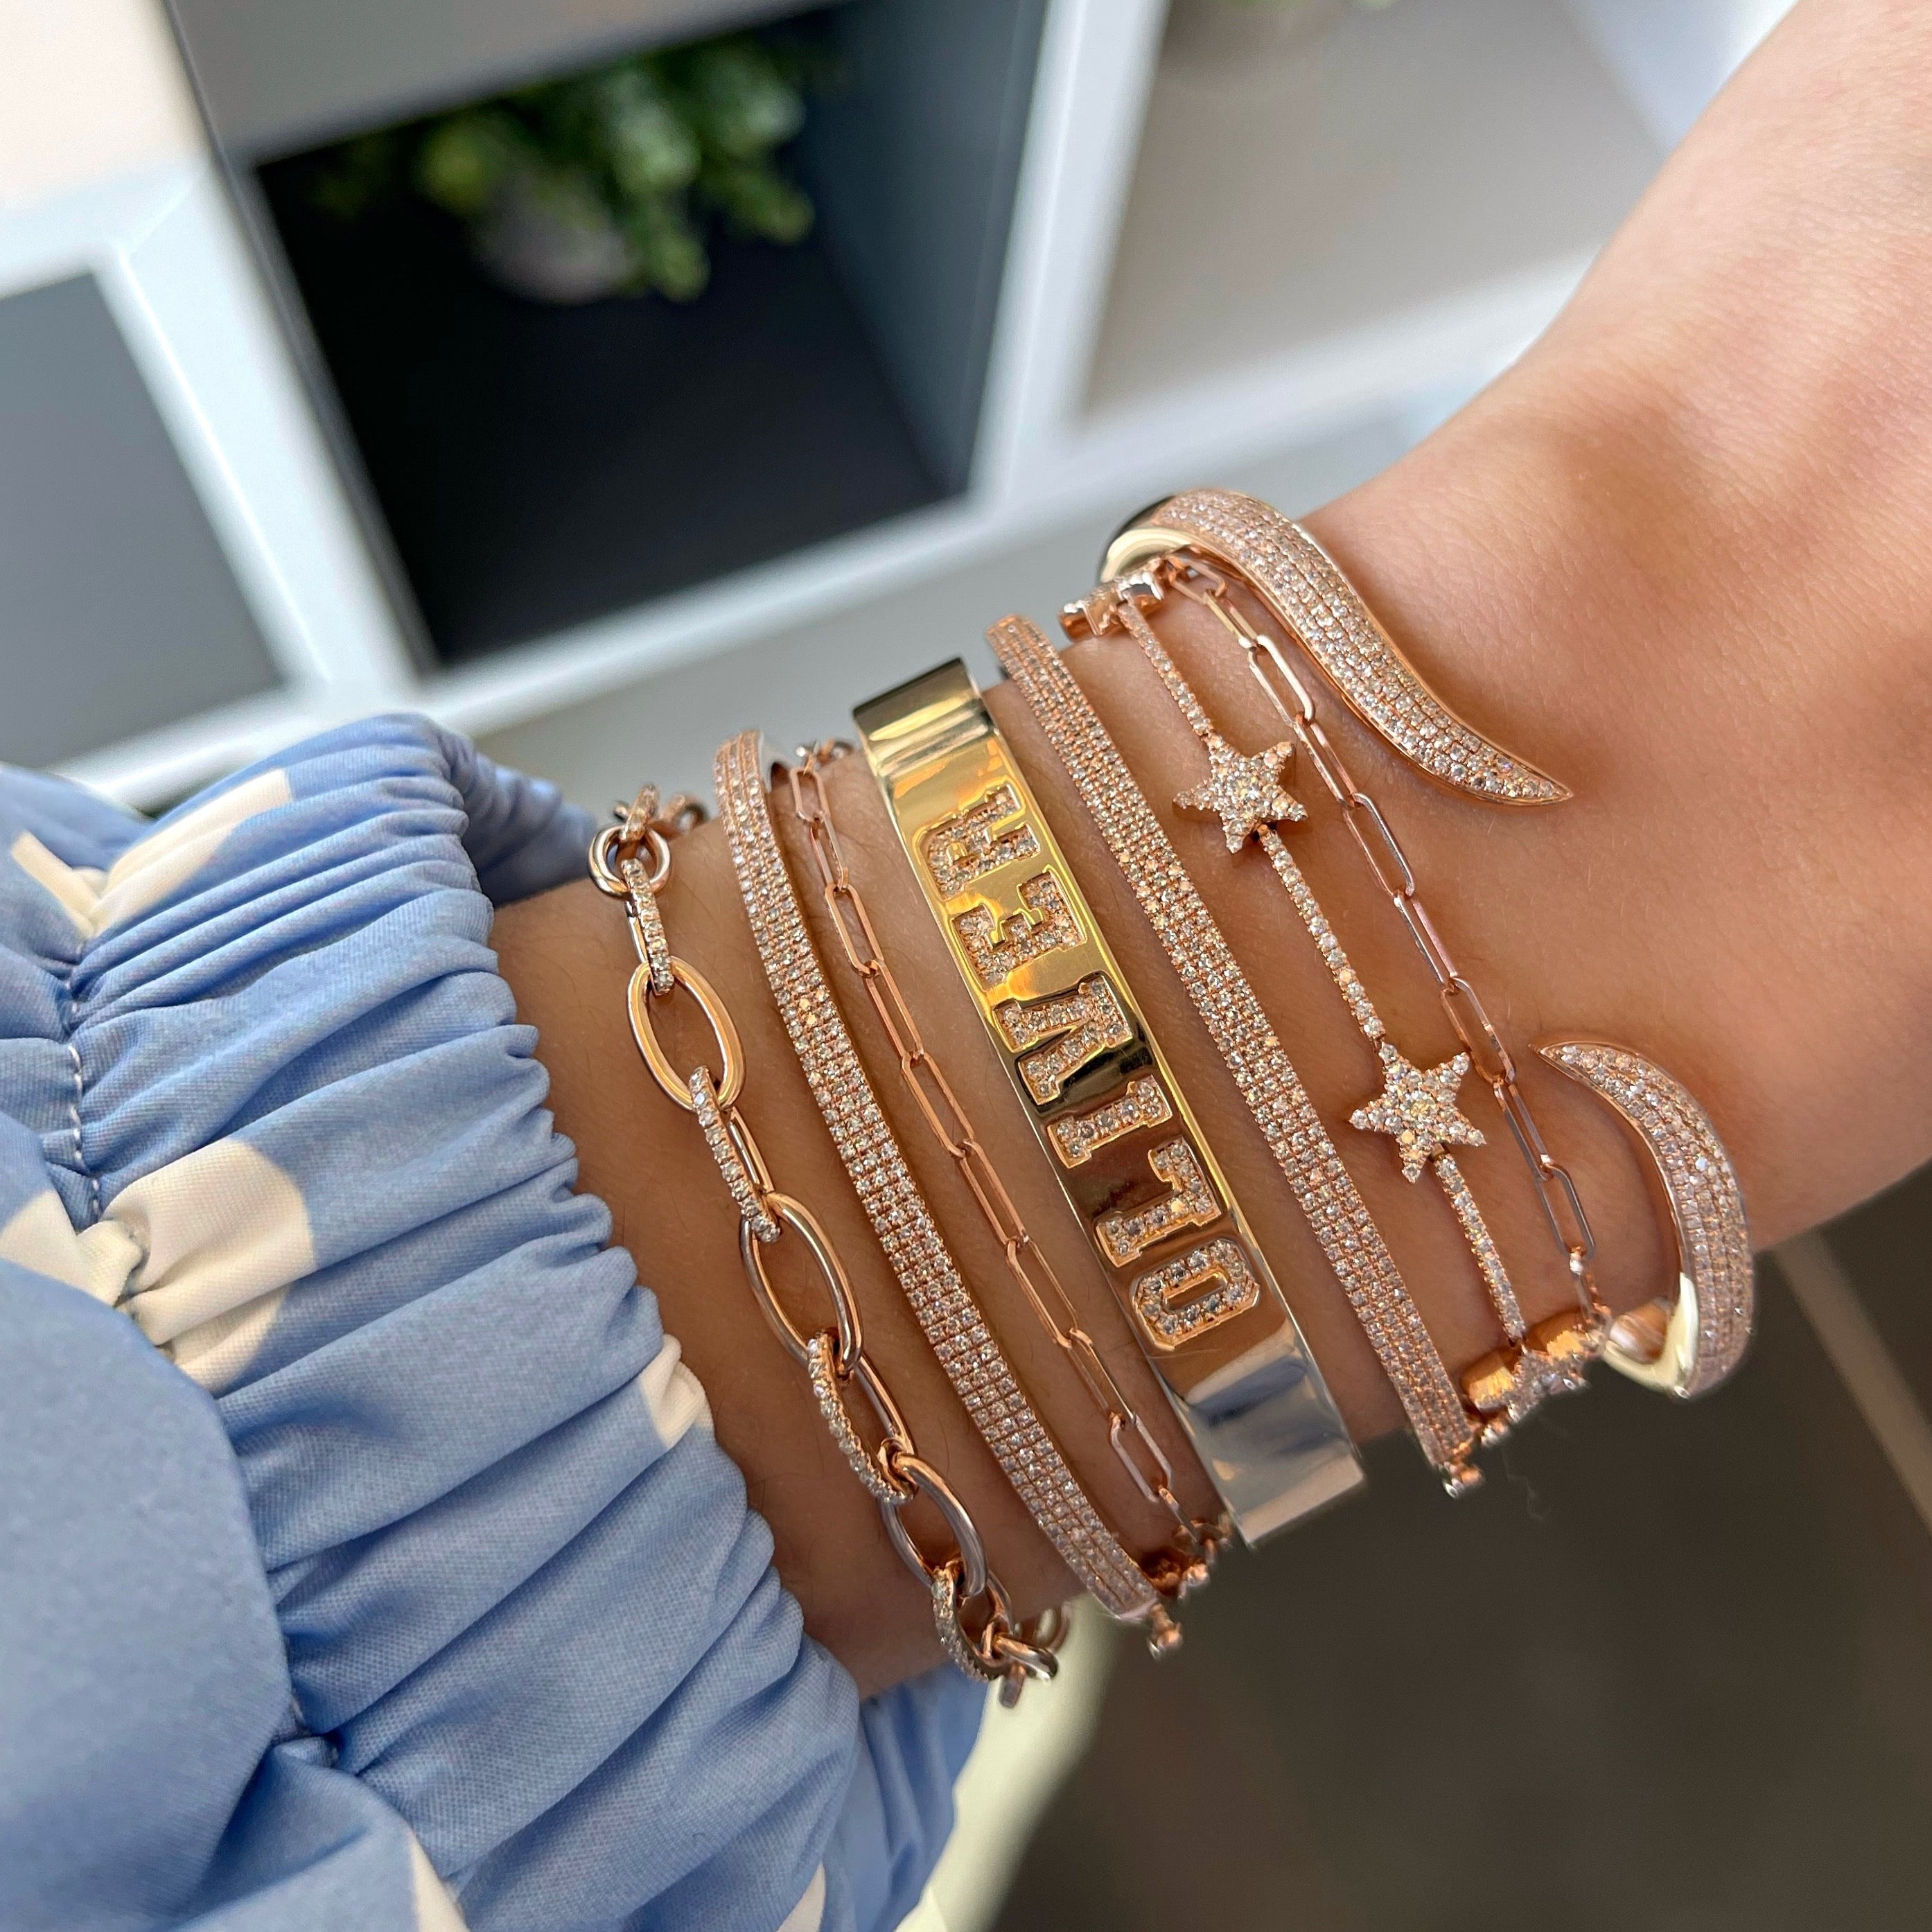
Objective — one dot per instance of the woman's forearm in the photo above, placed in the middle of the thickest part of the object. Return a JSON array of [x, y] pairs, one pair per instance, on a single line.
[[1679, 552]]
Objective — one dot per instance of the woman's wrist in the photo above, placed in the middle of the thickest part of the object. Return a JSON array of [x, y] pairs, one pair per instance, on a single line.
[[568, 959], [1507, 556], [1727, 681]]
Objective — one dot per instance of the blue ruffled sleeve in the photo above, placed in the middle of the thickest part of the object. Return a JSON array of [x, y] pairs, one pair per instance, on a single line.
[[366, 1556]]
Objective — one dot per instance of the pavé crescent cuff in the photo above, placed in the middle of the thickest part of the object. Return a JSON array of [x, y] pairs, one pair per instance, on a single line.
[[1692, 1336], [1116, 1131]]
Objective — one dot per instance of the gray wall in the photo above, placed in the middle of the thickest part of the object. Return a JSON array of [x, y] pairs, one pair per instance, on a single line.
[[278, 76], [801, 682], [914, 164], [118, 610]]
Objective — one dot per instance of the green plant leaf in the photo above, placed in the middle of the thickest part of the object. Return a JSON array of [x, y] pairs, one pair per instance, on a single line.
[[464, 159], [670, 251], [653, 144], [650, 146], [742, 104], [757, 199]]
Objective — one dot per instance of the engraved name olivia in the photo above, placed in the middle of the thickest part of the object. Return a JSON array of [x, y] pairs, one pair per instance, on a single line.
[[1059, 1030]]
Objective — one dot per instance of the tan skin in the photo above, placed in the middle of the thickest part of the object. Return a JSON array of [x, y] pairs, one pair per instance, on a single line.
[[1679, 557]]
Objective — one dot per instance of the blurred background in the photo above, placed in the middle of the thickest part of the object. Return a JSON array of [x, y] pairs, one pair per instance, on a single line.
[[602, 375]]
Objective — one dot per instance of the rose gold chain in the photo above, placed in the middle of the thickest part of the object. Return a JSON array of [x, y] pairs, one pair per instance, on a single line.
[[945, 1118], [970, 1614], [914, 1246], [1562, 1205]]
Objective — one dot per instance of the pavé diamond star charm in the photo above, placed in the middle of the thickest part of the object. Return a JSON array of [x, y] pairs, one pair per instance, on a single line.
[[1419, 1109], [1244, 794]]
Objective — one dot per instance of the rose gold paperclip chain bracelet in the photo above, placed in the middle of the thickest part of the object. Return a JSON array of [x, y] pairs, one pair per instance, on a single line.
[[970, 1610], [914, 1246], [1550, 1359], [1416, 1108], [1184, 1565]]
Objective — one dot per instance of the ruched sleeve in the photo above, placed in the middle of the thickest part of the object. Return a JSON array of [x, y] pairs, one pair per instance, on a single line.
[[368, 1558]]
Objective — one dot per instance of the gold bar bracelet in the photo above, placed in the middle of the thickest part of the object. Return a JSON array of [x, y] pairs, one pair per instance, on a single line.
[[1132, 1162]]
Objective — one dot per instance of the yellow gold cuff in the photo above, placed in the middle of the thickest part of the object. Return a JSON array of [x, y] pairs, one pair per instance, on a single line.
[[1131, 1160]]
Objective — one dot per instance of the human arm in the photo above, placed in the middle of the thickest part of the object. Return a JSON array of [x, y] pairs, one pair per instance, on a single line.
[[1668, 557]]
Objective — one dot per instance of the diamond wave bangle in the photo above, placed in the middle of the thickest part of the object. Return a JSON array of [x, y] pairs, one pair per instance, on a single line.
[[1340, 632]]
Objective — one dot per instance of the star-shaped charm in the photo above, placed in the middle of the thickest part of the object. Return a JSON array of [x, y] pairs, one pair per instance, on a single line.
[[1244, 794], [1419, 1108]]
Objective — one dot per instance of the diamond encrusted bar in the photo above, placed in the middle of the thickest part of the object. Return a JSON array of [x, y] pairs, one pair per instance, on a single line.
[[1170, 1301], [644, 908], [969, 845], [1127, 1233], [1482, 1245], [821, 1364], [913, 1246], [1308, 909], [1307, 590], [1079, 1137], [745, 1195], [1268, 1082], [1706, 1204]]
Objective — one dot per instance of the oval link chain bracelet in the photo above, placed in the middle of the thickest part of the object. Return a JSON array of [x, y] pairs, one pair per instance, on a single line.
[[971, 1613]]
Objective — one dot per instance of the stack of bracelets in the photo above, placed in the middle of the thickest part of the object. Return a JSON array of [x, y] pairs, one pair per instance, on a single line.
[[1160, 1221]]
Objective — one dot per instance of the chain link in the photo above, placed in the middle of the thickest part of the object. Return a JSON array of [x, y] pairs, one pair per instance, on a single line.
[[1562, 1205], [1132, 1443], [974, 1622]]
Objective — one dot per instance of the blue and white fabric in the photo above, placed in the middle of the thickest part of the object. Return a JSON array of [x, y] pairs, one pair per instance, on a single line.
[[366, 1556]]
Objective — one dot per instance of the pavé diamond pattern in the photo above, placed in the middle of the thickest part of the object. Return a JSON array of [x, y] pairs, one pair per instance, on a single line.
[[998, 948], [960, 850], [1226, 1002], [1705, 1200], [1339, 631], [914, 1247], [1187, 1296], [1088, 1021], [1189, 1202], [1143, 1102]]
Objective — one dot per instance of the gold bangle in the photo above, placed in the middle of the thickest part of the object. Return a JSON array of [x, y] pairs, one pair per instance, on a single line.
[[1687, 1340], [1105, 1108], [913, 1246], [1221, 994], [970, 1616]]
